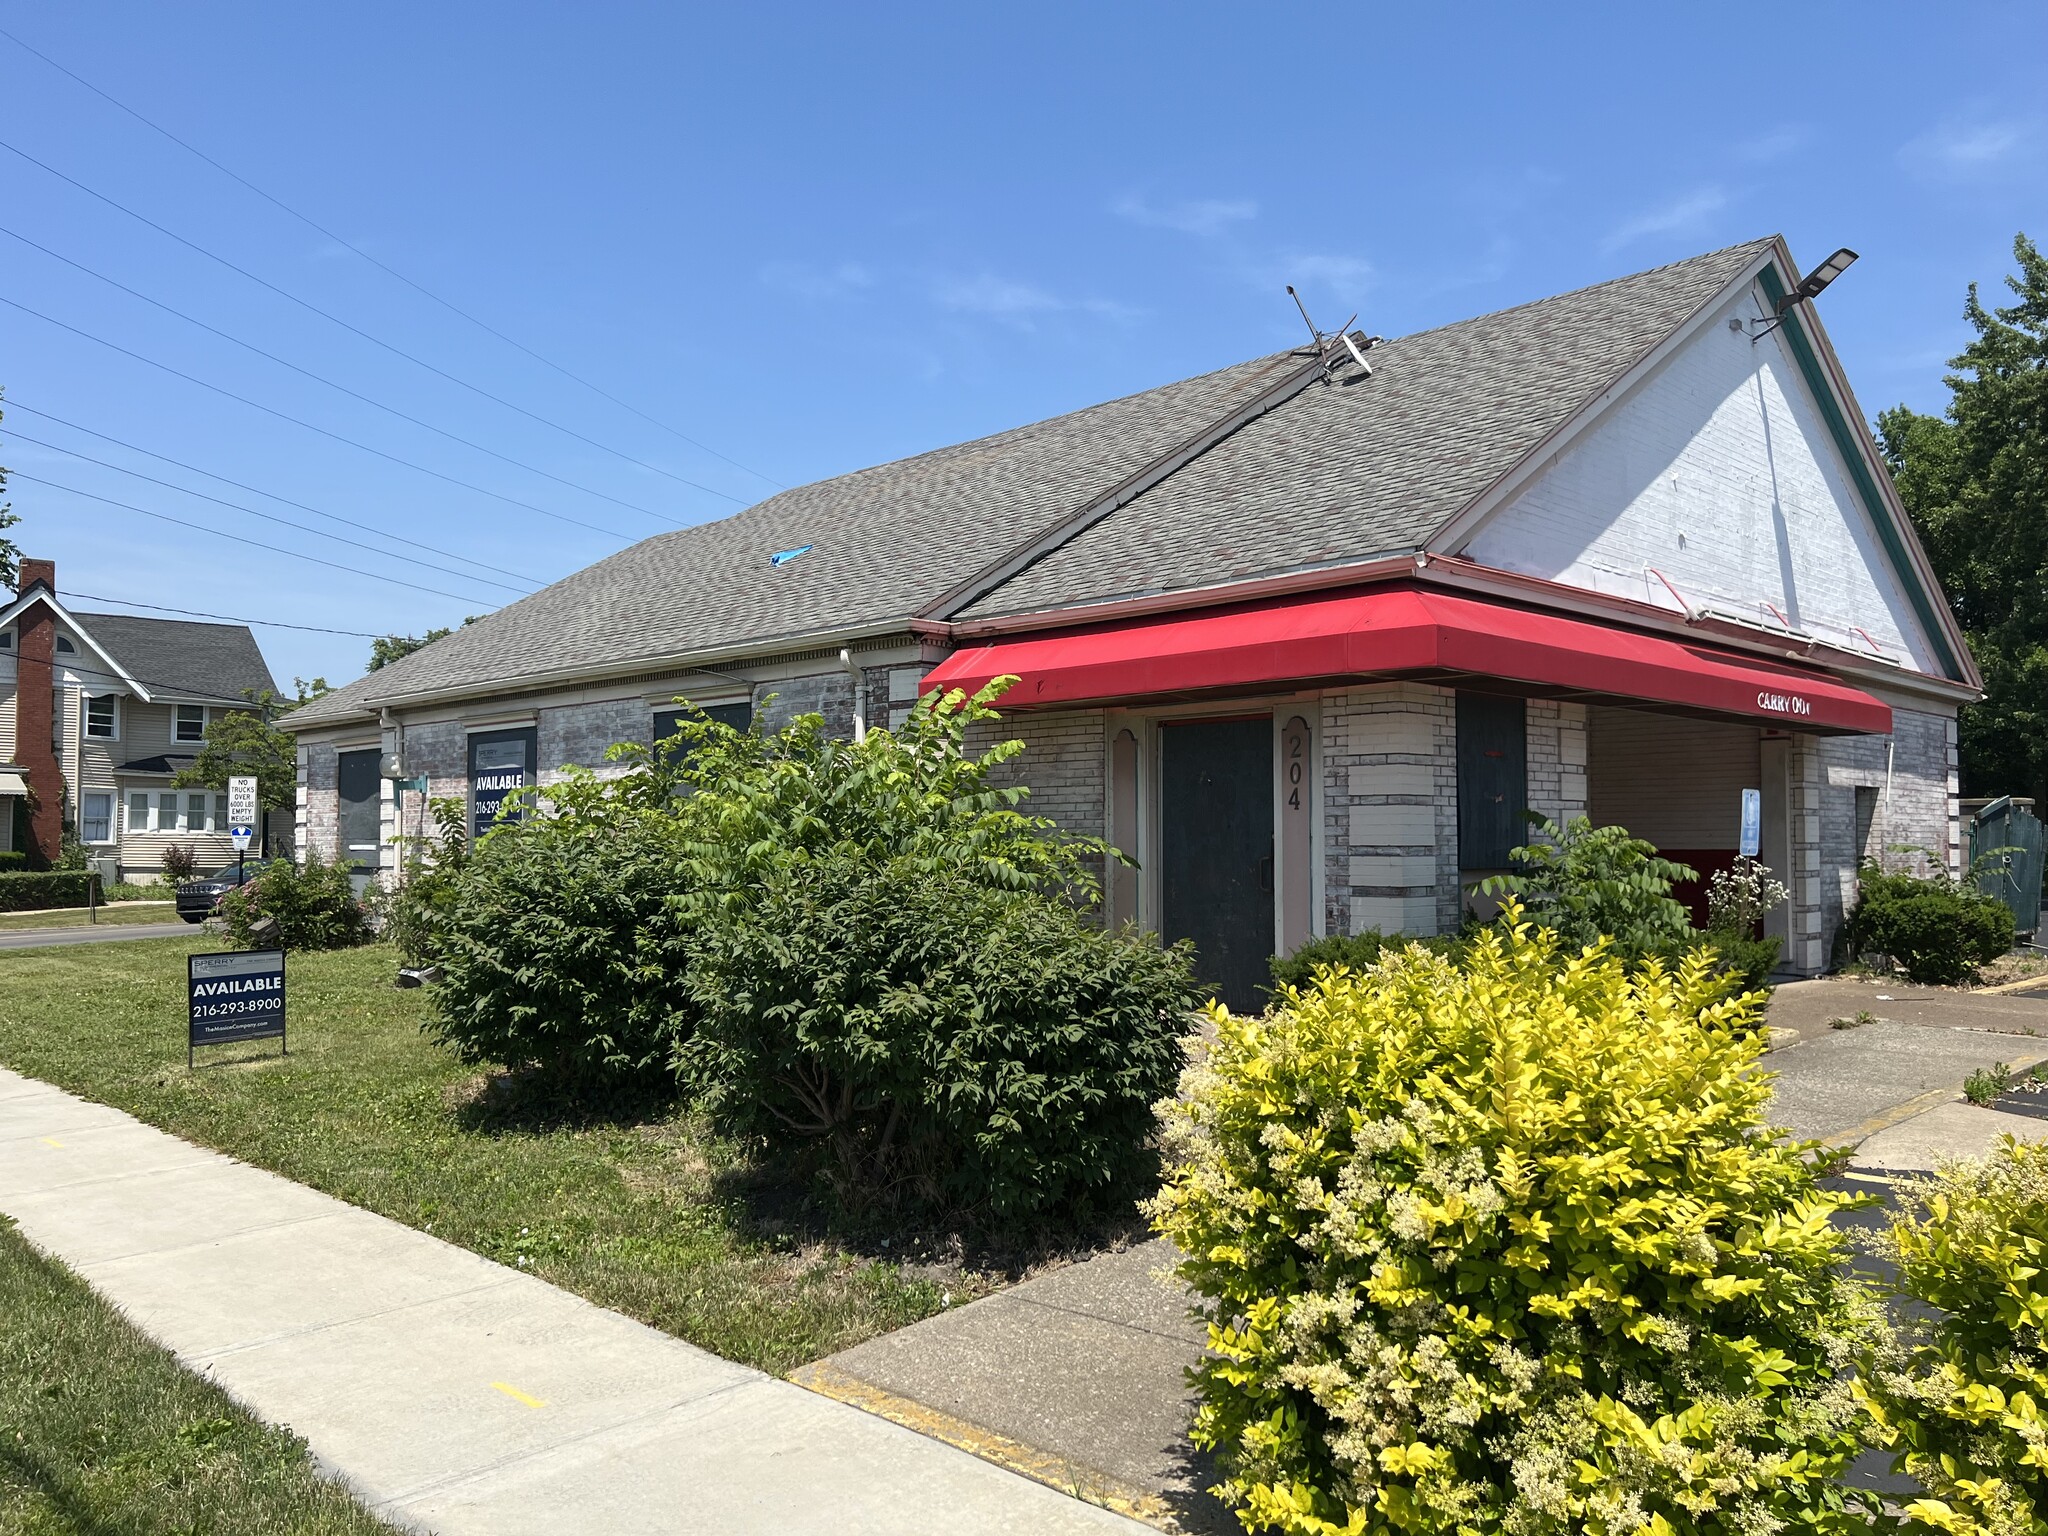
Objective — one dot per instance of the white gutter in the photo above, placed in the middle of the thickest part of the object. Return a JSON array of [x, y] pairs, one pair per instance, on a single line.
[[606, 671]]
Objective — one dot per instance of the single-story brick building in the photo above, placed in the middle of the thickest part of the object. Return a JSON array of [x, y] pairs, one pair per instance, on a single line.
[[1308, 634]]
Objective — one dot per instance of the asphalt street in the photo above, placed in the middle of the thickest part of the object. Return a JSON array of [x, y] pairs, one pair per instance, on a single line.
[[106, 933]]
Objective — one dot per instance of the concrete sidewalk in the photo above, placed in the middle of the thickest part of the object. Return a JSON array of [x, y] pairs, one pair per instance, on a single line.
[[452, 1394]]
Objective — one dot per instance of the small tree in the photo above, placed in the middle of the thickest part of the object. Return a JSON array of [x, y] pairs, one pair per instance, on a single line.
[[1588, 883], [248, 741]]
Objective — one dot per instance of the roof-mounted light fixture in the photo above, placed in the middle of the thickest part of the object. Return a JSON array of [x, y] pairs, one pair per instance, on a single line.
[[1809, 287]]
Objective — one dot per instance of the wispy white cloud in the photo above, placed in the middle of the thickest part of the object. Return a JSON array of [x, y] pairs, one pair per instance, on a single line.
[[1774, 144], [1019, 303], [1675, 217], [1340, 276], [1198, 216], [987, 294], [810, 280], [1961, 146]]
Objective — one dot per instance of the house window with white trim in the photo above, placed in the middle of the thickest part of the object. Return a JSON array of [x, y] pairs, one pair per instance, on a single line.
[[166, 813], [220, 814], [195, 814], [96, 817], [103, 717], [189, 723], [138, 810]]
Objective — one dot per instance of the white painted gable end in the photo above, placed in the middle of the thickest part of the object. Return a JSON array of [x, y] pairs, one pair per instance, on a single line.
[[1714, 483]]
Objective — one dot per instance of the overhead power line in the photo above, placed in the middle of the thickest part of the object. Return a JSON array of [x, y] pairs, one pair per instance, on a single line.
[[389, 271], [268, 517], [13, 403], [225, 618], [275, 549], [177, 373], [321, 378], [356, 330]]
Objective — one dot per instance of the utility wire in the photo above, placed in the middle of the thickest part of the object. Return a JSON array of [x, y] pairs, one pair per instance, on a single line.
[[356, 330], [268, 517], [389, 271], [318, 378], [225, 618], [14, 404], [175, 373], [276, 549]]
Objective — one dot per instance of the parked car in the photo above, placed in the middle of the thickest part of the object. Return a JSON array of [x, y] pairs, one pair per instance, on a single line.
[[196, 898]]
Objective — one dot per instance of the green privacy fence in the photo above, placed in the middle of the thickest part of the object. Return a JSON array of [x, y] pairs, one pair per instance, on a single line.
[[2008, 840]]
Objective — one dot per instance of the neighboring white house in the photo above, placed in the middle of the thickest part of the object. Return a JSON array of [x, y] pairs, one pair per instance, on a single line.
[[1305, 637], [112, 707]]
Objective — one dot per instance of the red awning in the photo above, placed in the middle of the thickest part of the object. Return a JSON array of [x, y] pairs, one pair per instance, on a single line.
[[1396, 632]]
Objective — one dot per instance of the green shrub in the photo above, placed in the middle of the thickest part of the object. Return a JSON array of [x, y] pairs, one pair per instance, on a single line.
[[896, 981], [932, 1044], [1746, 962], [1587, 883], [12, 859], [559, 946], [29, 890], [312, 906], [1495, 1246], [1353, 950], [1937, 931], [1963, 1401], [416, 913]]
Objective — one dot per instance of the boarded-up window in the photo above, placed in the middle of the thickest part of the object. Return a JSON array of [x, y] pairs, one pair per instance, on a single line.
[[1493, 779]]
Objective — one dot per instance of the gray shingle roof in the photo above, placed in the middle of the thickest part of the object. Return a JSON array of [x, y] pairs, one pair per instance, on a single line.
[[1333, 474], [1374, 466], [182, 656]]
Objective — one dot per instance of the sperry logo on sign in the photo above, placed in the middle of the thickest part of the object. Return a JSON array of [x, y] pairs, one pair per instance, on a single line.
[[1783, 703]]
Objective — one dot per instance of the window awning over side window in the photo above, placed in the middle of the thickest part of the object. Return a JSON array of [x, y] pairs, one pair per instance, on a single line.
[[1395, 632]]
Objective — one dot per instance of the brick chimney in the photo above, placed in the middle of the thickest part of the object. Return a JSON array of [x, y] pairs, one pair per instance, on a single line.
[[35, 728]]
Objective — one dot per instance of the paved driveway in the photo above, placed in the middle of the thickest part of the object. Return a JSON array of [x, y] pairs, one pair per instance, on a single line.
[[104, 933]]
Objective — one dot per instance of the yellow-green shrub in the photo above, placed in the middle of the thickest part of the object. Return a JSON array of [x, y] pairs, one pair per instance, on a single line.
[[1493, 1247], [1964, 1404]]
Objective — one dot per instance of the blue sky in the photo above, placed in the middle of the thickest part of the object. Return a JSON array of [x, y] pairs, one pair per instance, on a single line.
[[811, 238]]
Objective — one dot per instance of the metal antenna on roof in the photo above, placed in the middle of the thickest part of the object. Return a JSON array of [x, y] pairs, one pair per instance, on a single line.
[[1326, 346]]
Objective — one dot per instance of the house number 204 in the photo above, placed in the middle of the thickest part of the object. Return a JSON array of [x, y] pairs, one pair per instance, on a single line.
[[1297, 752]]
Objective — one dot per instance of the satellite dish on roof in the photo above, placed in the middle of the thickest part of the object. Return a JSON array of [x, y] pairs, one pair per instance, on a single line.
[[1325, 346]]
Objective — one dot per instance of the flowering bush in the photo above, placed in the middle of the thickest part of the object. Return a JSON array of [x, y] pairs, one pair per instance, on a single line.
[[1963, 1404], [1738, 898], [1494, 1246]]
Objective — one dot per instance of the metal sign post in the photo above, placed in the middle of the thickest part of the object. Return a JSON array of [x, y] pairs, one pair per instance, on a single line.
[[235, 996]]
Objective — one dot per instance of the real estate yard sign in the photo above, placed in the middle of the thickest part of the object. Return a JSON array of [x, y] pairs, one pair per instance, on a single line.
[[235, 996]]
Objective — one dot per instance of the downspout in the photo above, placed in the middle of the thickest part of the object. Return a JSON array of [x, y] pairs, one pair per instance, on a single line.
[[387, 720], [1891, 743], [860, 713]]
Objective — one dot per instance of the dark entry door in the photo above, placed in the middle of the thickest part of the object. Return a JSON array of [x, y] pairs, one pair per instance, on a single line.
[[360, 793], [1216, 850]]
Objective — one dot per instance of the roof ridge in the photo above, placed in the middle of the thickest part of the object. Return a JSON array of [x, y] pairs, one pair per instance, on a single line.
[[1759, 244]]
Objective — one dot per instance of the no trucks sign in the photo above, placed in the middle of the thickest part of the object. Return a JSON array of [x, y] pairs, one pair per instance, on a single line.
[[235, 996]]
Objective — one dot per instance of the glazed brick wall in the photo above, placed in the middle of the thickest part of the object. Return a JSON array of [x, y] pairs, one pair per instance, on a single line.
[[1924, 813], [1064, 762], [579, 735], [1557, 759], [1390, 809]]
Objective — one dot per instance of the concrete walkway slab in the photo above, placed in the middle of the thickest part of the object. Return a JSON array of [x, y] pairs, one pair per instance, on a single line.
[[1845, 1082], [455, 1394], [1079, 1375], [1943, 1134]]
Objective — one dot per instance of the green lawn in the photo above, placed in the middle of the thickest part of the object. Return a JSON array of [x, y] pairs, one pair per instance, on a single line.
[[79, 917], [369, 1109], [101, 1431]]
